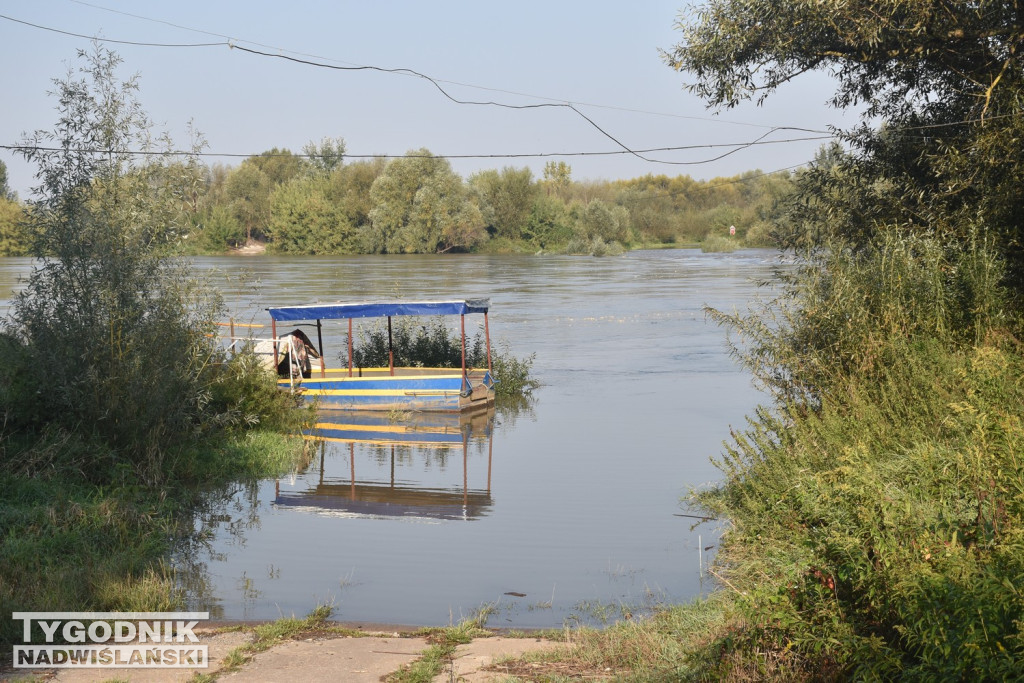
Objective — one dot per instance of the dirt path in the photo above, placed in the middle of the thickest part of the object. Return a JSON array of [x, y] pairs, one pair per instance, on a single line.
[[359, 659]]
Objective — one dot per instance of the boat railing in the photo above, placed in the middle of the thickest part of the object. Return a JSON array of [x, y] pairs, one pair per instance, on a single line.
[[233, 341]]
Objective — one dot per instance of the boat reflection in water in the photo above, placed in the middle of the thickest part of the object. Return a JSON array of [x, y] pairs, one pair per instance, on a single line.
[[405, 451]]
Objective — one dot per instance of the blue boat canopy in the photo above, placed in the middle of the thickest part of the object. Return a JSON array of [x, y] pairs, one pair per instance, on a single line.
[[378, 309]]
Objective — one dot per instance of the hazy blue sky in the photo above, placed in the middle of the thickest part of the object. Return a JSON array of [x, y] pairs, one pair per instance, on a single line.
[[602, 56]]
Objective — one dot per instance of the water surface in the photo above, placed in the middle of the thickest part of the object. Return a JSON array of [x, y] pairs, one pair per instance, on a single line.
[[568, 508]]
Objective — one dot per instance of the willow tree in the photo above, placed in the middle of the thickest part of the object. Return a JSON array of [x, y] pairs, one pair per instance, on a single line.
[[110, 332], [940, 87], [421, 206]]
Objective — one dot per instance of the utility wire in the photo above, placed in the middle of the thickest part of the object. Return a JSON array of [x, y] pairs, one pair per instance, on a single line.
[[736, 146], [565, 105], [109, 40], [402, 70], [439, 80]]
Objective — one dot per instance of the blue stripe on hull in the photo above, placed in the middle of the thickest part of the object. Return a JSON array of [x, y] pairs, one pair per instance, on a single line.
[[389, 437], [403, 384], [342, 401]]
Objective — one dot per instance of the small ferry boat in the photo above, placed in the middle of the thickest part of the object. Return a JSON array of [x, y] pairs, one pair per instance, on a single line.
[[389, 388], [382, 446]]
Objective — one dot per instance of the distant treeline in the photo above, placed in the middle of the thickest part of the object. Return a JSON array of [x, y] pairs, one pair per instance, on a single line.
[[314, 203]]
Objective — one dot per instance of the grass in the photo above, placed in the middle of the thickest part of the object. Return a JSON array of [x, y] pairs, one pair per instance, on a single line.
[[267, 635], [67, 544]]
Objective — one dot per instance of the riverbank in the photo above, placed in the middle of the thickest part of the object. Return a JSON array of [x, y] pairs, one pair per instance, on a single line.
[[335, 652]]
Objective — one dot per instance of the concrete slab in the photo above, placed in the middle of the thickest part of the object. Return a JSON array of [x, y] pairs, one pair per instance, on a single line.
[[353, 660], [471, 659], [318, 659]]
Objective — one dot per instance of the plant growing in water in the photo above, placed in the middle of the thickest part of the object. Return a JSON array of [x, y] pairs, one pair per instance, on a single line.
[[416, 342]]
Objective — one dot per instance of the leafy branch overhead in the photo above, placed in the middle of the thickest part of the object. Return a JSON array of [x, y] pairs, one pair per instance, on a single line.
[[939, 87]]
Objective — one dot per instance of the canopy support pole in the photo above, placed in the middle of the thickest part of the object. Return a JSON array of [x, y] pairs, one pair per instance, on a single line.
[[320, 340], [462, 320], [487, 338], [273, 334], [350, 347], [391, 352]]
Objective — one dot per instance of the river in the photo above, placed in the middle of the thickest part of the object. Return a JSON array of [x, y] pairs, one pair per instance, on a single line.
[[566, 511]]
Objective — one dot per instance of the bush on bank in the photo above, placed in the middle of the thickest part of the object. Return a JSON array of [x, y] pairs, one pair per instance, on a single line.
[[877, 511], [118, 408]]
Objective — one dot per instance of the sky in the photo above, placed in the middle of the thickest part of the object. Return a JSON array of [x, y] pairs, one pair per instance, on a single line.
[[600, 56]]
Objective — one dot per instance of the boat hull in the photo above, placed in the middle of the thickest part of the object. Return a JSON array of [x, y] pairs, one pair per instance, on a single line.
[[418, 389]]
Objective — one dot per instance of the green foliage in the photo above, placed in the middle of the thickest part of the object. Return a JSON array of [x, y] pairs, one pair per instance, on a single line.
[[883, 533], [219, 228], [109, 345], [248, 189], [280, 165], [243, 394], [715, 242], [878, 510], [14, 238], [304, 221], [326, 156], [945, 82], [506, 200], [603, 221], [5, 189], [839, 312], [549, 223], [420, 207], [416, 343], [513, 374], [431, 344]]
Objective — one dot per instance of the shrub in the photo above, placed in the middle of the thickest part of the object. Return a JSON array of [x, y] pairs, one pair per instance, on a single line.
[[715, 243], [877, 511], [430, 343]]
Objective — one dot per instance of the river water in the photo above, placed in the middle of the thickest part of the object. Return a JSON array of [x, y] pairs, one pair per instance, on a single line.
[[565, 510]]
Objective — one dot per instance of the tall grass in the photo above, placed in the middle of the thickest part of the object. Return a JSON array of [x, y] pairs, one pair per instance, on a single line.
[[877, 510]]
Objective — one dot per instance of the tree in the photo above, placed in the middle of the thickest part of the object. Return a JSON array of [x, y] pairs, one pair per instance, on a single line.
[[5, 190], [508, 197], [420, 207], [113, 334], [279, 165], [557, 176], [945, 79], [248, 189], [304, 221], [326, 155], [13, 237]]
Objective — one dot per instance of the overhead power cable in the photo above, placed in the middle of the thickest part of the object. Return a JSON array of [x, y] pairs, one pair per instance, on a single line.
[[275, 48], [640, 154], [534, 155], [109, 40]]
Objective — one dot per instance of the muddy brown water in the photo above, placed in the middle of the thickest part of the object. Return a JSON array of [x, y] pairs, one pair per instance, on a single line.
[[561, 511]]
